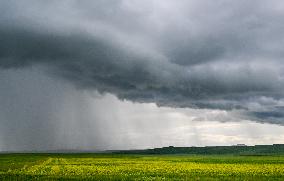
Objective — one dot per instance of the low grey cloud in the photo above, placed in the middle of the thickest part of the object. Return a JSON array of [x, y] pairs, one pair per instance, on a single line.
[[220, 55]]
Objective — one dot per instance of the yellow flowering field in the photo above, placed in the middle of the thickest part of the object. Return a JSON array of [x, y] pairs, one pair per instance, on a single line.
[[139, 167]]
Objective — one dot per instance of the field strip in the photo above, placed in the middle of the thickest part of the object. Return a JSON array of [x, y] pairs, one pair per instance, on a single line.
[[136, 168], [38, 168]]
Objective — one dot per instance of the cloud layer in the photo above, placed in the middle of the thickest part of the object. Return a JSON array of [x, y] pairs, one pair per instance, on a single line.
[[199, 54]]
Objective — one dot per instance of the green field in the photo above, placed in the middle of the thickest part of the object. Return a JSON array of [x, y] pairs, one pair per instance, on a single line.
[[139, 167]]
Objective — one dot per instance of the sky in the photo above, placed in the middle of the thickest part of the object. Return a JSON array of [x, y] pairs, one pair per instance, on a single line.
[[128, 74]]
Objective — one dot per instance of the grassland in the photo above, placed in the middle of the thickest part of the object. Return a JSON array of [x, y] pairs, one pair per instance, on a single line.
[[139, 167]]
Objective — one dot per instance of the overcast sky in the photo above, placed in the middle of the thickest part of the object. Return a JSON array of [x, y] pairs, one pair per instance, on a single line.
[[121, 74]]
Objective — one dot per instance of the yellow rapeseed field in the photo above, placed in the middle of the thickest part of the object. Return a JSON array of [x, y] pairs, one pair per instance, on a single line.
[[164, 167]]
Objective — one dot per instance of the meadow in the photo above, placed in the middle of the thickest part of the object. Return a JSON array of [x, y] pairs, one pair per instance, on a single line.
[[139, 167]]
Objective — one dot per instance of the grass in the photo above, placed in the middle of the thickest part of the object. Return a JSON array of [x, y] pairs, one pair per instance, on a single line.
[[139, 167]]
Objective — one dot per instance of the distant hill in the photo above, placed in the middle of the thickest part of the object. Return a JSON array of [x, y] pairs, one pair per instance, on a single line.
[[213, 150]]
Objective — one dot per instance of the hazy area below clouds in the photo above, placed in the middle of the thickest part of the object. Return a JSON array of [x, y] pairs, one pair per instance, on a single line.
[[38, 112]]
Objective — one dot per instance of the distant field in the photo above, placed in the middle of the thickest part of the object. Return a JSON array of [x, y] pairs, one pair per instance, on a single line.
[[139, 167]]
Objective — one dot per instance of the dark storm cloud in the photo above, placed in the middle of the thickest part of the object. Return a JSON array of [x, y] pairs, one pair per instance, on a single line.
[[199, 54]]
